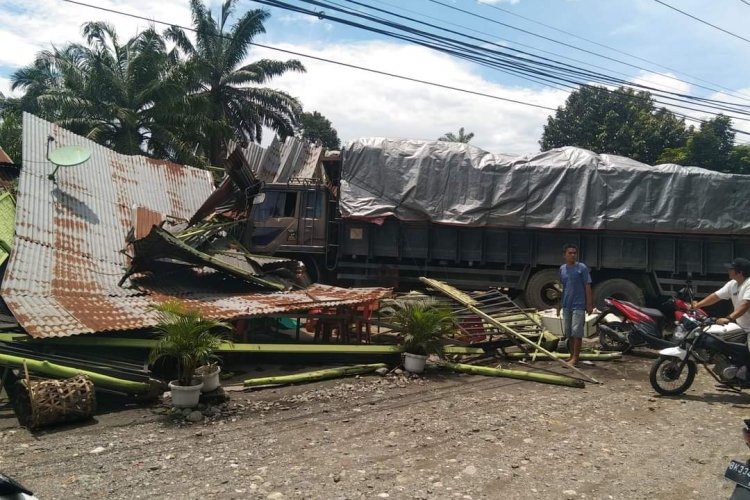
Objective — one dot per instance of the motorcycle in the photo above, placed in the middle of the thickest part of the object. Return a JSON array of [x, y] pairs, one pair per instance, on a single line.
[[721, 350], [739, 472], [623, 325]]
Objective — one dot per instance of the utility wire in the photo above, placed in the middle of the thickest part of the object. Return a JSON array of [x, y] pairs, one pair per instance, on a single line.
[[702, 21], [491, 63], [322, 59], [719, 88], [725, 106]]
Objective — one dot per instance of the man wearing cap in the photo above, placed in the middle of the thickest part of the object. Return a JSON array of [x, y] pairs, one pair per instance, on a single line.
[[737, 290]]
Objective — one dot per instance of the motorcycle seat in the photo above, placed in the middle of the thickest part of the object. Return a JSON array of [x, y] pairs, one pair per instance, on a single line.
[[654, 313]]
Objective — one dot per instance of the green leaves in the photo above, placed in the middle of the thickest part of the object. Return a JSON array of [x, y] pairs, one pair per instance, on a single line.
[[423, 323], [188, 337]]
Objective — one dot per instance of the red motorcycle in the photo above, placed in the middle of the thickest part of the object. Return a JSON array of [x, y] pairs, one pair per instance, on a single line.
[[624, 325]]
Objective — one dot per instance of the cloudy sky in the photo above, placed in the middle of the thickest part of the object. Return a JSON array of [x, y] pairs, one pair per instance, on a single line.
[[641, 41]]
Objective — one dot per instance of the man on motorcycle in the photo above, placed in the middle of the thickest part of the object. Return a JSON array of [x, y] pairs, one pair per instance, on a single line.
[[737, 290]]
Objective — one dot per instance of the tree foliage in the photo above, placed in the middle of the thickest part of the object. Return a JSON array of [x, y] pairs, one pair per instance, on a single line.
[[622, 122], [10, 130], [141, 96], [316, 127], [234, 104], [460, 137]]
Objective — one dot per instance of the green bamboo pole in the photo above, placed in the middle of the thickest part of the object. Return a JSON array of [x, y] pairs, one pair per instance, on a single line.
[[117, 342], [314, 376], [592, 356], [54, 370], [546, 378]]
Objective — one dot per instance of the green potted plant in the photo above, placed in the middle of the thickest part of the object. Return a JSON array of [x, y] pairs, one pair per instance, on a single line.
[[192, 340], [424, 325]]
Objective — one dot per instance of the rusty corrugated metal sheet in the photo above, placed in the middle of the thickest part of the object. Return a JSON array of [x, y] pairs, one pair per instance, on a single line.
[[66, 261], [4, 158]]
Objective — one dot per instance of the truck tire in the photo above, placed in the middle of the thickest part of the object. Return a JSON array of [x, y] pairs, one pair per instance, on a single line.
[[618, 288], [543, 291]]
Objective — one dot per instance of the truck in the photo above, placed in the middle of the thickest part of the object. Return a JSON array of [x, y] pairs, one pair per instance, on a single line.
[[384, 212]]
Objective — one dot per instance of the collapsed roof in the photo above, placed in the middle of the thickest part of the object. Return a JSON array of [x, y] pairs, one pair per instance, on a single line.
[[71, 235]]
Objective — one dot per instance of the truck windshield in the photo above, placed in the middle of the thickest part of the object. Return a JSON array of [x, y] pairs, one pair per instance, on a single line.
[[276, 204]]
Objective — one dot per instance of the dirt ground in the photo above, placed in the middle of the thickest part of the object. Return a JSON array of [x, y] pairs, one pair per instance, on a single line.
[[438, 436]]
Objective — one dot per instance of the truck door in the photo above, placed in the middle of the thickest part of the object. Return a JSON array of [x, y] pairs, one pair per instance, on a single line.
[[311, 229], [275, 221]]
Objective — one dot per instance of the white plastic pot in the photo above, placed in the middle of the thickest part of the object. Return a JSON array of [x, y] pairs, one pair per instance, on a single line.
[[414, 363], [185, 396], [210, 376]]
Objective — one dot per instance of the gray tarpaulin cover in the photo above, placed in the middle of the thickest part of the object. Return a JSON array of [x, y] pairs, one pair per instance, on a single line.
[[565, 188]]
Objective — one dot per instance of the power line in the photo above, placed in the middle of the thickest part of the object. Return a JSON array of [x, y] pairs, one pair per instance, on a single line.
[[518, 63], [745, 2], [322, 59], [720, 88], [702, 21]]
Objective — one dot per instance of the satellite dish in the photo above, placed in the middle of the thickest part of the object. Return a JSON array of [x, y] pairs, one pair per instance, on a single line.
[[66, 156]]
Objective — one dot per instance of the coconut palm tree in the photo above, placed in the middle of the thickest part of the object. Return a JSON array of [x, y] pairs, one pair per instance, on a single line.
[[460, 137], [127, 96], [236, 105]]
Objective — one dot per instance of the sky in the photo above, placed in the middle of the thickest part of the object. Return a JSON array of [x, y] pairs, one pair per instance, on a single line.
[[646, 43]]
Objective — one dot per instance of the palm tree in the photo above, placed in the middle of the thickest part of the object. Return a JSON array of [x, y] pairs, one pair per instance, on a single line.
[[236, 105], [461, 137], [424, 324], [125, 96]]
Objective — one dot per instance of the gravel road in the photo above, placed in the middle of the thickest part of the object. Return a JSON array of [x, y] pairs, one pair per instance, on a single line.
[[438, 436]]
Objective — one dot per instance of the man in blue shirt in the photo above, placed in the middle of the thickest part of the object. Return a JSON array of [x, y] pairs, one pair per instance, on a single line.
[[576, 299]]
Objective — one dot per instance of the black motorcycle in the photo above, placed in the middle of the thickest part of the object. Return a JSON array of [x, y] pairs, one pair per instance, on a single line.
[[722, 351], [739, 472]]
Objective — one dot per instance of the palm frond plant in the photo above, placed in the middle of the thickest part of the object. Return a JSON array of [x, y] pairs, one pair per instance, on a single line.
[[423, 323], [188, 337]]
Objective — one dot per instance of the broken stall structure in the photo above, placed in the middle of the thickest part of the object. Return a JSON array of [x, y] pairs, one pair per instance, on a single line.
[[98, 247]]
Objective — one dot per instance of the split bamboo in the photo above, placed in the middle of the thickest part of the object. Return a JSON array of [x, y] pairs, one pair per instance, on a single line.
[[546, 378], [314, 376], [54, 370], [591, 356]]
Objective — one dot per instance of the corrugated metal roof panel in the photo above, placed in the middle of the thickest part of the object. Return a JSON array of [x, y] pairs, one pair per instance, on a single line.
[[281, 163], [67, 256]]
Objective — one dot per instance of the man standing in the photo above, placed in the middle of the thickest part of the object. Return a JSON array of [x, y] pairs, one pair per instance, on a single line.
[[576, 299], [737, 290]]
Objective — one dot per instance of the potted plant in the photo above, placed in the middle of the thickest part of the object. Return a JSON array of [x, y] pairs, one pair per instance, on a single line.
[[424, 325], [192, 340]]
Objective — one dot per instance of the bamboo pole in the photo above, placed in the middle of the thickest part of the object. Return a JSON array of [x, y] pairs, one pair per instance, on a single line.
[[455, 295], [314, 376], [546, 378], [592, 356], [54, 370]]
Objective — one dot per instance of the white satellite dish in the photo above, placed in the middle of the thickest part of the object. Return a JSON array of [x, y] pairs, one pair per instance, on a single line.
[[66, 156]]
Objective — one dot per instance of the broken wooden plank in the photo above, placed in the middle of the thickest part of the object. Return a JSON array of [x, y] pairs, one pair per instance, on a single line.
[[546, 378], [314, 376]]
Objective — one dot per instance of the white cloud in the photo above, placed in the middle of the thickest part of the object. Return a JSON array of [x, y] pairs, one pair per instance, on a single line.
[[662, 81], [361, 104], [29, 27]]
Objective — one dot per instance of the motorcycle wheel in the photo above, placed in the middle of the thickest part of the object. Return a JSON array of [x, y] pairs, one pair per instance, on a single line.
[[610, 343], [667, 379]]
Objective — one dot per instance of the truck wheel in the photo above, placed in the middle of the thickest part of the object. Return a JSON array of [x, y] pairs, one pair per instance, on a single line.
[[620, 289], [543, 291]]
